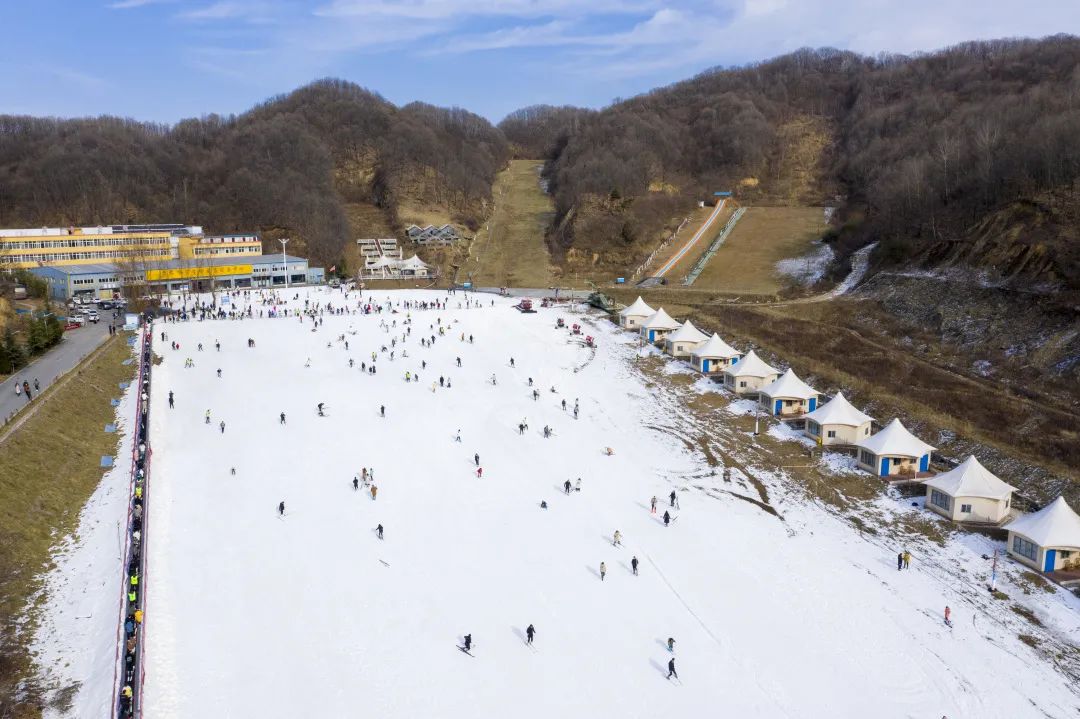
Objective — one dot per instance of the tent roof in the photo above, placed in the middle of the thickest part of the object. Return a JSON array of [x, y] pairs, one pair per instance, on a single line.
[[1055, 525], [715, 347], [414, 263], [638, 309], [660, 320], [751, 366], [895, 440], [971, 479], [839, 411], [687, 333], [789, 385]]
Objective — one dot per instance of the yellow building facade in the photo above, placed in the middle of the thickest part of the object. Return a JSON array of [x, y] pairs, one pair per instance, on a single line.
[[58, 246], [203, 246]]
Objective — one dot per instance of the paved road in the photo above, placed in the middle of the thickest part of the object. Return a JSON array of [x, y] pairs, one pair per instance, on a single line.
[[71, 350]]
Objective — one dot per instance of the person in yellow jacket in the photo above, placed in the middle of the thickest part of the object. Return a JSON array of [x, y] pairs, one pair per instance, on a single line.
[[138, 616], [603, 571], [374, 491]]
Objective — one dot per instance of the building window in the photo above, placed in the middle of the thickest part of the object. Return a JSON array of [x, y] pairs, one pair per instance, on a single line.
[[832, 434], [965, 509], [866, 458], [1024, 548], [940, 499], [742, 383]]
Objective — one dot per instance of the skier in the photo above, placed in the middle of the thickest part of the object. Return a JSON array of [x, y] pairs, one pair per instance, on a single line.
[[674, 500], [374, 491], [281, 419], [512, 364], [575, 411], [652, 505], [543, 504], [671, 645], [321, 410], [222, 427], [671, 669], [476, 459], [468, 642], [382, 410], [281, 509], [633, 565], [355, 483], [379, 531], [566, 486], [948, 617], [603, 571], [617, 539], [219, 374], [457, 437], [907, 559], [899, 561], [458, 361], [530, 631], [479, 472], [207, 416], [217, 344], [171, 404], [577, 485], [667, 518]]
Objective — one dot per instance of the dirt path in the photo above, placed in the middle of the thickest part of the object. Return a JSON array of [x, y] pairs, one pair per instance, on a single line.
[[510, 248]]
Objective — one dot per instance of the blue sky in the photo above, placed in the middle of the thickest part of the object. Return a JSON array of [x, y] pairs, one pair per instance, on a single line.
[[164, 60]]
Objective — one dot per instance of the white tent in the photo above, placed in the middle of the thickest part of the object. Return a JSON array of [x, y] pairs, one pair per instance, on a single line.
[[681, 341], [895, 441], [713, 355], [894, 450], [839, 411], [789, 385], [631, 317], [1055, 525], [658, 326], [752, 366], [971, 479], [638, 309], [837, 422]]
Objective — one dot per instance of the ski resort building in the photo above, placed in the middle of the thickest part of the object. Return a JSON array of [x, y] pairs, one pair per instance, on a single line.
[[658, 326], [683, 340], [837, 422], [631, 317], [1047, 540], [894, 451], [386, 268], [432, 235], [788, 396], [713, 356], [969, 493], [749, 375]]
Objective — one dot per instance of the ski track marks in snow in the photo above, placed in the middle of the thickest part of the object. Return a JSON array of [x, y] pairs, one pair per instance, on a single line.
[[252, 616]]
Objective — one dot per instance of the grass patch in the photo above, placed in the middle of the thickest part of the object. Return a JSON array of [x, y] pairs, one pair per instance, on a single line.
[[1026, 614], [1029, 640], [510, 249], [746, 263], [998, 594], [1030, 582], [49, 467]]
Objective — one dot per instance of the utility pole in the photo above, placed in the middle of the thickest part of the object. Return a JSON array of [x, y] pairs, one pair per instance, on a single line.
[[285, 259]]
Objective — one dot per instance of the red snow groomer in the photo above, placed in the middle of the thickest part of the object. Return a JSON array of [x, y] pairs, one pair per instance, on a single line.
[[589, 341], [560, 323], [525, 306], [575, 329]]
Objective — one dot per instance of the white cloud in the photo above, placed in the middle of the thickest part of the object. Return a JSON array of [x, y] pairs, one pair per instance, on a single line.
[[129, 4]]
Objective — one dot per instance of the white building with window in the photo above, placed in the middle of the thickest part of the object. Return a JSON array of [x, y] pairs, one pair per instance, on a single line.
[[749, 375], [658, 326], [894, 451], [837, 422], [714, 356], [683, 340], [969, 493], [631, 317], [788, 396], [1047, 540]]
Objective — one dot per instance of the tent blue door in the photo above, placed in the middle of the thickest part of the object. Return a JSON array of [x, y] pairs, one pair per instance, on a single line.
[[924, 463], [652, 335], [884, 466], [779, 406], [1051, 560], [704, 365], [734, 360], [813, 403]]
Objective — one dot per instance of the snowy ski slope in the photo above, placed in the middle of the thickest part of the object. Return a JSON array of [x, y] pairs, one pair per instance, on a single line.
[[252, 615]]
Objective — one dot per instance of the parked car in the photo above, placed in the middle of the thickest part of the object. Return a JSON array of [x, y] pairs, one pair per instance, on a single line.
[[76, 320], [93, 316], [105, 305]]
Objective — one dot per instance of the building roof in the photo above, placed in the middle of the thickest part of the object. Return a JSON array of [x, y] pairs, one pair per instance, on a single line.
[[101, 268], [414, 263], [789, 385], [138, 266], [660, 320], [687, 333], [639, 308], [895, 440], [971, 479], [751, 366], [715, 347], [1055, 525], [839, 411]]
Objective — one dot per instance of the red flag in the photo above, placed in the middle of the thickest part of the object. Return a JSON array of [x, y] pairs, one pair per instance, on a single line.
[[332, 268]]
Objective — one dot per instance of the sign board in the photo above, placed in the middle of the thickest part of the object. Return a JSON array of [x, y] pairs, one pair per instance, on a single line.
[[620, 280], [467, 285], [194, 273], [131, 321]]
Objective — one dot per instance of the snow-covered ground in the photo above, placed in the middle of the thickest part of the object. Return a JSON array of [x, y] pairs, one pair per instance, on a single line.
[[255, 615]]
